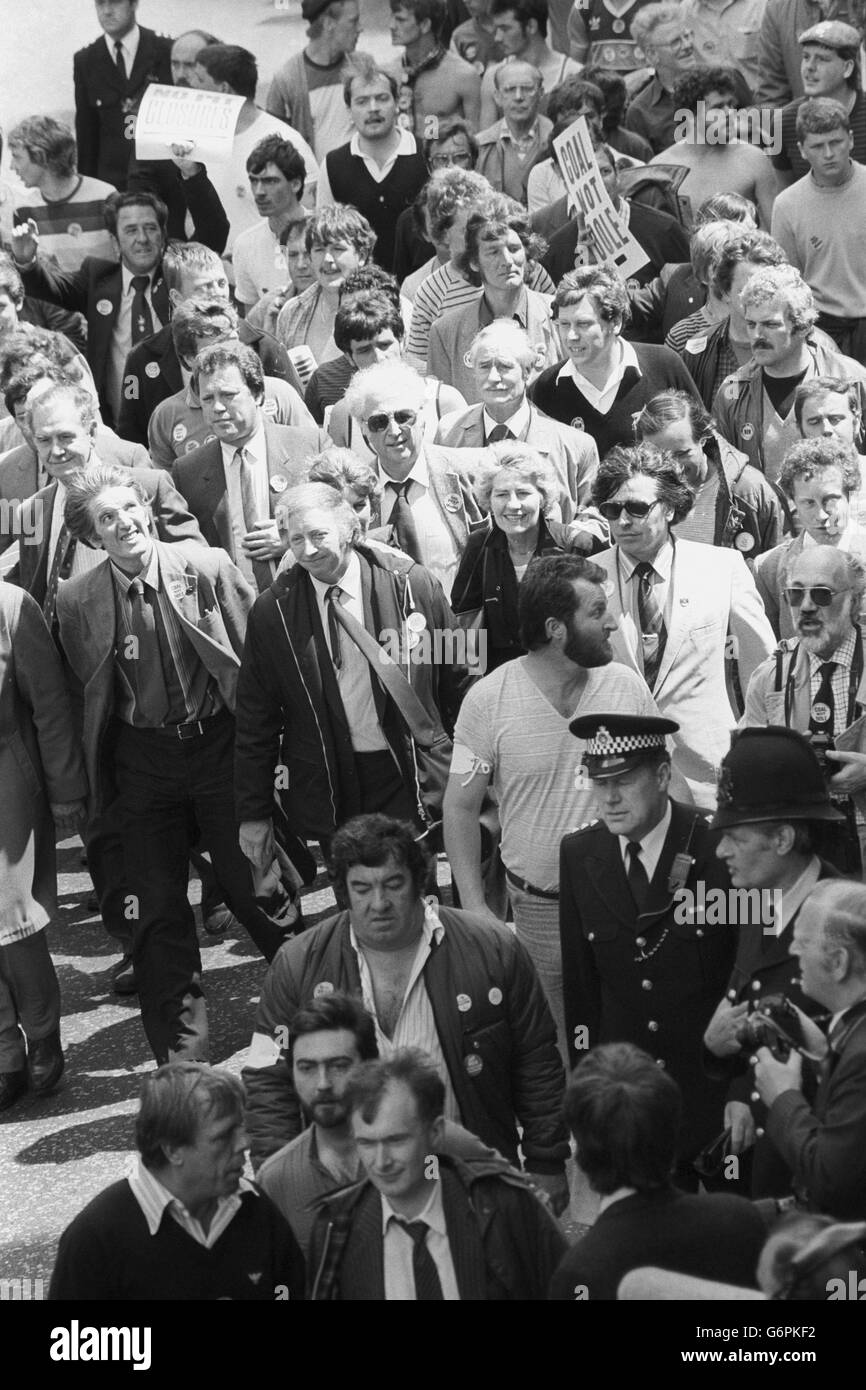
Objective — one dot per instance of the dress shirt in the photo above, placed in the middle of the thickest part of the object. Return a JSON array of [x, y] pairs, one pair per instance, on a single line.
[[651, 845], [354, 676], [84, 557], [437, 547], [416, 1025], [155, 1200], [121, 338], [843, 657], [662, 584], [602, 398], [256, 454], [129, 44], [398, 1246], [516, 423], [378, 172]]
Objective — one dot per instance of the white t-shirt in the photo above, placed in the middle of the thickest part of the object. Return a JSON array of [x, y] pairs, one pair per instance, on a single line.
[[260, 264], [231, 181], [506, 722]]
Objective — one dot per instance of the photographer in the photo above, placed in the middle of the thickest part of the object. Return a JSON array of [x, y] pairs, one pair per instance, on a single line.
[[814, 683], [823, 1141], [772, 800]]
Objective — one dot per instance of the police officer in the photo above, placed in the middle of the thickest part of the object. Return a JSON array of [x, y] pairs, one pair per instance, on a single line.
[[773, 804], [642, 960]]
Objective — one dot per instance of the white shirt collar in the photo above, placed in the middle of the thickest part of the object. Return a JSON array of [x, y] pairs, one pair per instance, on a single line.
[[432, 929], [129, 44], [662, 563], [419, 473], [433, 1213], [407, 145], [127, 275], [149, 576], [255, 448], [627, 358], [651, 845], [350, 583], [155, 1199], [517, 422]]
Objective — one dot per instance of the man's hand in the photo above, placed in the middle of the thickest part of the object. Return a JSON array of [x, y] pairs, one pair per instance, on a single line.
[[553, 1190], [25, 242], [773, 1078], [256, 839], [724, 1029], [851, 776], [68, 817], [180, 155], [264, 542], [741, 1126]]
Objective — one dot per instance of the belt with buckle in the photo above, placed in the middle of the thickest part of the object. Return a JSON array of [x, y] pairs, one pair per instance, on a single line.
[[192, 729], [552, 896]]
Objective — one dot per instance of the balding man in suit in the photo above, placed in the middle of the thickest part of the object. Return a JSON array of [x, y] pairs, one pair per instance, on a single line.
[[233, 483]]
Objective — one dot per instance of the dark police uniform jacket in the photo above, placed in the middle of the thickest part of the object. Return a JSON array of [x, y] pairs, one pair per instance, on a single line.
[[662, 1003]]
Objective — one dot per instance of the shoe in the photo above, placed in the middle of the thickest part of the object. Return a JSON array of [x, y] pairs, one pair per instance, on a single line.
[[13, 1085], [91, 902], [219, 920], [45, 1063], [123, 977]]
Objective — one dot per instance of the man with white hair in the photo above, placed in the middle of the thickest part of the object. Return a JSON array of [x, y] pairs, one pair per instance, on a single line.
[[310, 701], [754, 406], [503, 361], [823, 1141], [427, 497]]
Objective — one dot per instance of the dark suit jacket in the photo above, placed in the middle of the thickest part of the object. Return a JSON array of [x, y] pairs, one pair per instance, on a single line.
[[824, 1144], [104, 101], [713, 1236], [661, 236], [605, 987], [95, 282], [451, 472], [200, 477], [212, 600], [19, 473], [143, 390], [171, 516]]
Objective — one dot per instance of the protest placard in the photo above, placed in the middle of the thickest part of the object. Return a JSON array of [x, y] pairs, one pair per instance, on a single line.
[[183, 115], [579, 167]]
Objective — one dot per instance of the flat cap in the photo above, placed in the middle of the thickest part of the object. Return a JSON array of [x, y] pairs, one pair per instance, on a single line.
[[830, 33]]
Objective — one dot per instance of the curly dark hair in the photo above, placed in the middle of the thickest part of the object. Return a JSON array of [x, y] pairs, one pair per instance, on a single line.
[[622, 463], [372, 840], [495, 217]]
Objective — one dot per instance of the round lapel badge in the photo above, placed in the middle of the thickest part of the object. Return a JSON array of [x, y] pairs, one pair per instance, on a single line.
[[747, 431], [495, 995], [416, 622], [453, 502], [322, 988], [104, 307], [577, 423], [152, 370], [744, 541], [464, 1003], [278, 482], [74, 229], [821, 712], [473, 1064], [179, 433], [176, 589]]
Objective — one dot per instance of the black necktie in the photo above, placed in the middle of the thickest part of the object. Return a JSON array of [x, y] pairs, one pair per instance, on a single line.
[[652, 623], [142, 319], [499, 432], [428, 1288], [822, 713], [638, 881], [61, 568], [151, 695], [332, 597], [402, 521], [119, 60]]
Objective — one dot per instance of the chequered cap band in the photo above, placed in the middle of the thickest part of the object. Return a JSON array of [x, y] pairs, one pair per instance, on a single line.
[[605, 744]]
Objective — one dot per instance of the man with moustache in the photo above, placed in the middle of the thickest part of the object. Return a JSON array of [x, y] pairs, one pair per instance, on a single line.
[[774, 812], [565, 627], [815, 682]]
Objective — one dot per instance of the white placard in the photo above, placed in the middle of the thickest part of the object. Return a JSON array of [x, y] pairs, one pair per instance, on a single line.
[[180, 115], [579, 169]]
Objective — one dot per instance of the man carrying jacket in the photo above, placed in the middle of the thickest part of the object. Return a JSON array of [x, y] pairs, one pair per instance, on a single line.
[[432, 977]]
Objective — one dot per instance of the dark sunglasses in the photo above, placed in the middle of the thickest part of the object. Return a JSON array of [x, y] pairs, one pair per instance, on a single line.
[[612, 511], [821, 596], [379, 422]]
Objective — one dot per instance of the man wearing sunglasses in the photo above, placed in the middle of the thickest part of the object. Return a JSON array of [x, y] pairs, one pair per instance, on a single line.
[[427, 497], [814, 683], [676, 603], [821, 477]]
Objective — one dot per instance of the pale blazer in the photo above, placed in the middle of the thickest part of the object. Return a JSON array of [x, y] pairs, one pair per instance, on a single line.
[[713, 594]]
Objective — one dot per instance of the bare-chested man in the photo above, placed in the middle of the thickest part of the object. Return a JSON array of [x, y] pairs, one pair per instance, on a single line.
[[436, 83], [706, 143]]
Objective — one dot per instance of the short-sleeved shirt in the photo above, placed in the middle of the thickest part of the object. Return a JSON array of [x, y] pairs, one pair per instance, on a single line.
[[260, 264], [507, 723], [70, 228]]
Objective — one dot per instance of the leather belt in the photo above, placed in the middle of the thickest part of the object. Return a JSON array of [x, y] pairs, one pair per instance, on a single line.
[[193, 729], [551, 896]]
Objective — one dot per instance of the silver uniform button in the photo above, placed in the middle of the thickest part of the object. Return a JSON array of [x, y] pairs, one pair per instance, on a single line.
[[653, 1026], [646, 984]]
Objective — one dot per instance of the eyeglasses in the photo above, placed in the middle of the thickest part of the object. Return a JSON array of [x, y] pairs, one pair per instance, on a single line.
[[451, 161], [821, 596], [381, 420], [612, 511]]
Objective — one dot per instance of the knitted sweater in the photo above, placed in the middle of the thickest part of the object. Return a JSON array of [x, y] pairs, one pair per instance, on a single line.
[[107, 1253], [660, 370]]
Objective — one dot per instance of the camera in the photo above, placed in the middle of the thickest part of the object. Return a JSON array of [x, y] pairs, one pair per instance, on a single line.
[[777, 1024], [821, 745]]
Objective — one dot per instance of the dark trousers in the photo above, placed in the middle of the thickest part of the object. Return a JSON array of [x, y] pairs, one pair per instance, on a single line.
[[168, 791], [29, 998], [849, 335]]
